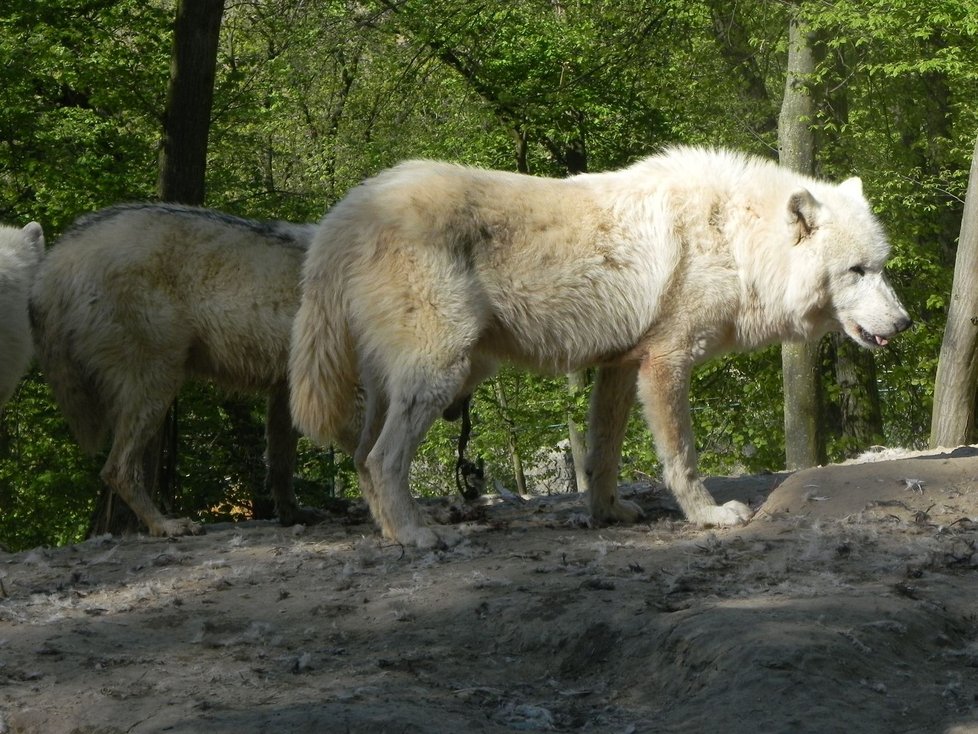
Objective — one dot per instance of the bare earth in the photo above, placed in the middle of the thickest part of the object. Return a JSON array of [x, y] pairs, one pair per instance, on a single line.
[[849, 604]]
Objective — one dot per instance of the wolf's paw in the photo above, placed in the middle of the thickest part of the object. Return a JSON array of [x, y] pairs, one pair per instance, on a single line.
[[731, 514], [173, 527], [618, 512], [428, 538]]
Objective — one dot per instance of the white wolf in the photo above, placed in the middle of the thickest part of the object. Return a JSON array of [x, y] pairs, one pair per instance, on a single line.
[[21, 251], [424, 276], [136, 298]]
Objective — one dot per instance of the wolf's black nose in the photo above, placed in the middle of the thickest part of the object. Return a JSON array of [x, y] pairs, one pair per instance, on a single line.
[[903, 324]]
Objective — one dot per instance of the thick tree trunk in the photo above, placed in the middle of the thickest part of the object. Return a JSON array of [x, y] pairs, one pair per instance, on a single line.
[[953, 419], [796, 143], [183, 154], [190, 97], [247, 460]]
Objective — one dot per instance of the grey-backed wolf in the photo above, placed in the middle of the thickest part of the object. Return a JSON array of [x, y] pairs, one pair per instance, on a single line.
[[425, 276], [20, 253], [136, 298]]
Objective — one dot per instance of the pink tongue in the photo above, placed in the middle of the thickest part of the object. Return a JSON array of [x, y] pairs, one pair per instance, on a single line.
[[881, 341]]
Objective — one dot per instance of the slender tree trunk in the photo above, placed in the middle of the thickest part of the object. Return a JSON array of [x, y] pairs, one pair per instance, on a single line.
[[860, 413], [577, 383], [514, 452], [953, 419], [735, 46], [796, 142]]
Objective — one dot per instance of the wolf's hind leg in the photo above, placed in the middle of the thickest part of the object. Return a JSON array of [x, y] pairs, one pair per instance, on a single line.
[[414, 405], [611, 400], [375, 413]]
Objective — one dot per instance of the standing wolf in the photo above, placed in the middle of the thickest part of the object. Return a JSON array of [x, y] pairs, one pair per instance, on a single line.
[[425, 276], [20, 253], [134, 299]]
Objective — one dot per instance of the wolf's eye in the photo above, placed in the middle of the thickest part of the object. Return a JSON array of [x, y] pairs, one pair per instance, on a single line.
[[858, 270]]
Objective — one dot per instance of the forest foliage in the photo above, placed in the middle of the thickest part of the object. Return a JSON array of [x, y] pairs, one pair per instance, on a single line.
[[312, 96]]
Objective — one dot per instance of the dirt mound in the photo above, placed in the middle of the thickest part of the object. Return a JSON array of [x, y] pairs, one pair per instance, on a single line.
[[847, 605]]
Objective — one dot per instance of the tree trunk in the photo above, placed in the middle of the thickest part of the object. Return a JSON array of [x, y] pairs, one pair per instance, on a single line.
[[860, 414], [246, 461], [953, 419], [736, 47], [514, 452], [577, 383], [183, 154], [190, 96], [859, 411], [804, 444], [796, 140]]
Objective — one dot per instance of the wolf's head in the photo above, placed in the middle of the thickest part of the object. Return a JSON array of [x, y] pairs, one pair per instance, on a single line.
[[848, 253]]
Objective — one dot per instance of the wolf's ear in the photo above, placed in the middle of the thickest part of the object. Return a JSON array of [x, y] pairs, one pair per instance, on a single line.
[[34, 238], [852, 186], [803, 209]]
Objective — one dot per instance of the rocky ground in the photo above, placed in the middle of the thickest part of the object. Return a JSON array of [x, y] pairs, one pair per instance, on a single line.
[[849, 604]]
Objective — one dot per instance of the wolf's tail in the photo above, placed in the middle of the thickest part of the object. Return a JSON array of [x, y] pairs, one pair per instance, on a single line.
[[76, 390], [323, 372]]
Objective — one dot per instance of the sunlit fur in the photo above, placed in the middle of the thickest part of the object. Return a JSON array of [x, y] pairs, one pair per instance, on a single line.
[[21, 251], [135, 299], [426, 275]]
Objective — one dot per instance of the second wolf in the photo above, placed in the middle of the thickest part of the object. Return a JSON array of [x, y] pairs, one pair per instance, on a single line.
[[21, 251], [136, 298]]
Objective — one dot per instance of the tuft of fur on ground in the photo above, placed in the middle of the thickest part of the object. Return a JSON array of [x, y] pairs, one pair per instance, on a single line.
[[848, 604]]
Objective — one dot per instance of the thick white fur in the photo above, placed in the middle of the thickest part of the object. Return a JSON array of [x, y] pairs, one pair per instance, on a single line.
[[134, 299], [426, 275], [21, 251]]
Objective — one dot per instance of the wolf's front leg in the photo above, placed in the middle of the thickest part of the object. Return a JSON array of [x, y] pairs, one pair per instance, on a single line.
[[133, 458], [663, 387], [124, 475]]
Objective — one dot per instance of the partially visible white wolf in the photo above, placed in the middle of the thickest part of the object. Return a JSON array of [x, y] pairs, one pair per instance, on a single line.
[[424, 276], [21, 251], [134, 299]]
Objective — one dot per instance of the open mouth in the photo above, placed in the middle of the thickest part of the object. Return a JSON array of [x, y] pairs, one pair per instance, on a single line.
[[871, 340]]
